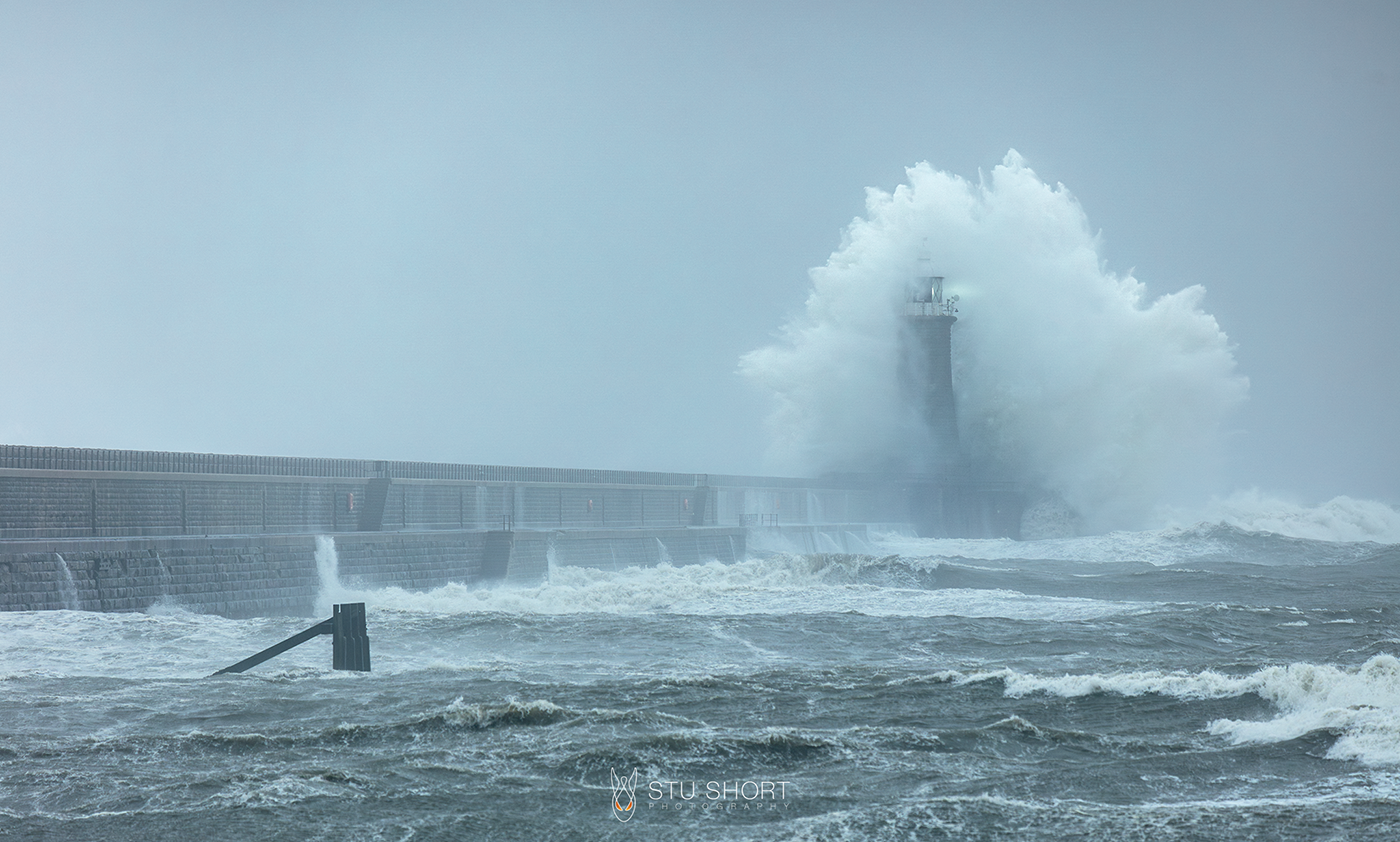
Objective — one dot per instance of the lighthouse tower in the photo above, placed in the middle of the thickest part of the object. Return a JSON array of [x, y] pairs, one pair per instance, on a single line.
[[927, 370]]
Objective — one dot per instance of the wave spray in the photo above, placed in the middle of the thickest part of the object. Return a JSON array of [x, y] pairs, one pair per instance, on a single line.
[[330, 590], [1066, 380]]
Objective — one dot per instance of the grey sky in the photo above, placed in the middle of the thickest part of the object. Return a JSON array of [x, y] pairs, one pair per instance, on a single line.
[[544, 234]]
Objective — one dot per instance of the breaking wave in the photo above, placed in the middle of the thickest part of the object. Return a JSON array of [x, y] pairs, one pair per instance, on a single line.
[[1065, 377], [1338, 519], [1171, 545], [1360, 705]]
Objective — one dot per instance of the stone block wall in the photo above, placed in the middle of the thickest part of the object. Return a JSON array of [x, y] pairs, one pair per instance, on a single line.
[[107, 530], [232, 576], [263, 575], [89, 504], [413, 561]]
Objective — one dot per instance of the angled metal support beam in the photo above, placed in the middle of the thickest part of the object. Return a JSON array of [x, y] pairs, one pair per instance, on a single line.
[[349, 641]]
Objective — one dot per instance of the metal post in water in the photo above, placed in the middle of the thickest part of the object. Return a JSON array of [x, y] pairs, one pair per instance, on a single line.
[[349, 641]]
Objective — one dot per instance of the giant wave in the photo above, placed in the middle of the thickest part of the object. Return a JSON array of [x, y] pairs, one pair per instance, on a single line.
[[1066, 378]]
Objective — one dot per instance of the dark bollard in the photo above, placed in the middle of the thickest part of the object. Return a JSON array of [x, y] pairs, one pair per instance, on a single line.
[[349, 641]]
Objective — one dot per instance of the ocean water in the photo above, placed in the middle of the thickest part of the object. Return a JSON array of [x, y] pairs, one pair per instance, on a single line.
[[1199, 683]]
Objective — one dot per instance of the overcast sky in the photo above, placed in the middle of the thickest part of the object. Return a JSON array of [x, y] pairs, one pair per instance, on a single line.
[[544, 234]]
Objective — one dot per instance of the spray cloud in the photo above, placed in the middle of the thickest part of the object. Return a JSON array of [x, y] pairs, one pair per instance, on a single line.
[[1066, 380]]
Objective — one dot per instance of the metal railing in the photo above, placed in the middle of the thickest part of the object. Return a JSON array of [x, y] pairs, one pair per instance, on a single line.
[[929, 308], [27, 457]]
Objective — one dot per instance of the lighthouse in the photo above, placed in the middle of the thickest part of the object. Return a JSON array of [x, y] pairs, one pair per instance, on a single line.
[[926, 364]]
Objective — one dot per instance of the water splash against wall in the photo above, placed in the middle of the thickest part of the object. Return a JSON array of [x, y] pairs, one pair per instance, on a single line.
[[1066, 379], [70, 587], [328, 572]]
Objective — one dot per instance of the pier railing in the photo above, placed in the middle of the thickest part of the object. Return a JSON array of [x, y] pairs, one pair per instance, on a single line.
[[60, 492]]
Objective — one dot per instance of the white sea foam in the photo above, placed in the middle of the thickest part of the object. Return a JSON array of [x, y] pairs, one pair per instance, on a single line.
[[158, 644], [512, 710], [1064, 375], [778, 585], [171, 642], [1341, 520], [1182, 685], [1338, 519], [1360, 704], [1159, 547], [281, 791]]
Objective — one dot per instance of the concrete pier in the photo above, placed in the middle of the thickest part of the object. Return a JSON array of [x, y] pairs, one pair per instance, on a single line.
[[104, 530]]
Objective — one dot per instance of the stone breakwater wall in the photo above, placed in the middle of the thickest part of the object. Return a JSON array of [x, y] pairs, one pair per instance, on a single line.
[[53, 492], [109, 530], [77, 504], [266, 575]]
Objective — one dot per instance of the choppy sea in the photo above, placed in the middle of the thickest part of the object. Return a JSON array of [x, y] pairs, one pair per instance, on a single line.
[[1193, 684]]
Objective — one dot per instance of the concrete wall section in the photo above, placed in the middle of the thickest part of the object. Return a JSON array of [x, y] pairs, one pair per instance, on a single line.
[[413, 561], [616, 549], [232, 576], [842, 538], [92, 494], [82, 504], [235, 535], [31, 458], [247, 576]]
